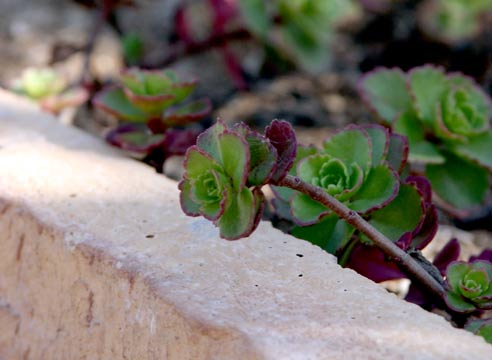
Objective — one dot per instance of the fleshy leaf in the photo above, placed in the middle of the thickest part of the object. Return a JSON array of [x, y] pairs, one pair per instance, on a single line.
[[454, 273], [198, 162], [188, 113], [457, 303], [351, 145], [386, 92], [307, 211], [189, 207], [208, 140], [152, 105], [331, 233], [478, 148], [235, 158], [379, 188], [401, 215], [114, 101], [239, 218], [420, 150], [283, 138], [135, 138], [397, 152], [380, 143], [263, 155], [458, 182], [427, 85]]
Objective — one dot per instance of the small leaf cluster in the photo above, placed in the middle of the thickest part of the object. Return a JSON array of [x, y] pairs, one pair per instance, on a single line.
[[361, 167], [470, 286], [305, 26], [49, 88], [225, 170], [446, 118], [151, 106], [453, 20]]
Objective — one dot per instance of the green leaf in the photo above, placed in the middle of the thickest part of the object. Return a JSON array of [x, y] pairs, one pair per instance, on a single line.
[[428, 86], [401, 215], [474, 283], [379, 188], [478, 148], [306, 211], [133, 48], [115, 102], [256, 16], [188, 113], [421, 150], [189, 207], [208, 141], [457, 303], [331, 233], [458, 182], [350, 146], [386, 92], [397, 152], [235, 158], [238, 218], [455, 273], [182, 90], [380, 143], [152, 105], [197, 163], [263, 157]]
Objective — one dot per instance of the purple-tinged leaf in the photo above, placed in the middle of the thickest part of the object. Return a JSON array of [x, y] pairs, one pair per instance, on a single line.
[[177, 141], [135, 138], [189, 207], [457, 303], [114, 102], [182, 90], [380, 140], [283, 138], [477, 149], [455, 271], [263, 155], [371, 262], [208, 140], [484, 255], [397, 152], [449, 253], [151, 105], [235, 158], [186, 114]]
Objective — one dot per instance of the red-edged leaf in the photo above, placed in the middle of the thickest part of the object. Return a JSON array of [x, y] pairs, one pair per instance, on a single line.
[[114, 102], [283, 138], [135, 137], [188, 113]]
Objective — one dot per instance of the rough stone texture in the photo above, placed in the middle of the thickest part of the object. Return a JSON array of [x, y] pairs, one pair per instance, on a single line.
[[98, 262]]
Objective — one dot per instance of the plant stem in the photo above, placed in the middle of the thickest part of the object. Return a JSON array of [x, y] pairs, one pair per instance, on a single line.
[[404, 260]]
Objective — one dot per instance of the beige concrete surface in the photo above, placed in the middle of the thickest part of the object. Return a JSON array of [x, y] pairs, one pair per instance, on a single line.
[[97, 261]]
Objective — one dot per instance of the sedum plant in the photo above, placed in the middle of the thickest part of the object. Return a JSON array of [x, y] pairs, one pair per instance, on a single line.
[[481, 327], [446, 118], [470, 286], [153, 113], [49, 88], [453, 21]]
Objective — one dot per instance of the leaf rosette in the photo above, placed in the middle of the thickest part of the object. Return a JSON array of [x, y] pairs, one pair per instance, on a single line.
[[446, 118], [470, 286]]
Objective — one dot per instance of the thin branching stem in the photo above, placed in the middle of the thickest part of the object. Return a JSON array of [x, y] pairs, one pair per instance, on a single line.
[[404, 260]]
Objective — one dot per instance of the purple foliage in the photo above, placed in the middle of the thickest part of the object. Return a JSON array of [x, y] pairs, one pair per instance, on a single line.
[[283, 138]]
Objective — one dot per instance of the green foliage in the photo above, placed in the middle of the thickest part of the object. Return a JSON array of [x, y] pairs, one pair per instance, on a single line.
[[39, 83], [447, 121], [453, 20], [470, 286], [225, 170], [353, 166], [133, 48], [156, 96], [305, 27]]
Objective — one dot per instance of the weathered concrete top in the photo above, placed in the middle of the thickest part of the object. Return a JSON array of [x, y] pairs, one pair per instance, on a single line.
[[270, 296]]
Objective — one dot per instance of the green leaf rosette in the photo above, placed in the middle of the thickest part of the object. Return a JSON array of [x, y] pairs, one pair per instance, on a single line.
[[469, 286]]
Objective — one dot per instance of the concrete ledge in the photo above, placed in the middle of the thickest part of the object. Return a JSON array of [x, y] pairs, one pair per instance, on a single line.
[[98, 262]]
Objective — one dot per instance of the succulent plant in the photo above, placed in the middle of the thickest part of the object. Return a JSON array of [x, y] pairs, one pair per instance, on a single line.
[[225, 170], [470, 286], [360, 166], [447, 121], [305, 27], [453, 20], [150, 104]]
